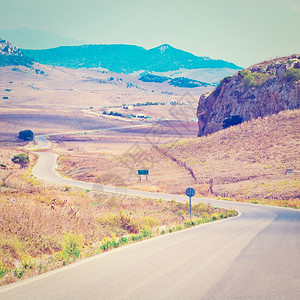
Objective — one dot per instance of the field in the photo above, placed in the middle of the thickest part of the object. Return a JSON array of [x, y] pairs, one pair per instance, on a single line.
[[63, 100]]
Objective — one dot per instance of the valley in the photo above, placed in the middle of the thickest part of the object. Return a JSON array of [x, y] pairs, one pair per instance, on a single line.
[[76, 99]]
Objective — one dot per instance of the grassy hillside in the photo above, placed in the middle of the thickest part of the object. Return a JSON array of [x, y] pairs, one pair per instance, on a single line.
[[248, 160]]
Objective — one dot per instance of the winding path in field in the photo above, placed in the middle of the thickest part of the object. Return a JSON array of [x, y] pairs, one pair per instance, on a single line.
[[253, 256]]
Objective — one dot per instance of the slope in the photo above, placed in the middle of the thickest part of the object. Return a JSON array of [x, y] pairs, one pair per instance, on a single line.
[[248, 160]]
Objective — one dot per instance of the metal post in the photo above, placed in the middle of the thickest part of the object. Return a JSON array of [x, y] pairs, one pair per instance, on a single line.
[[190, 207]]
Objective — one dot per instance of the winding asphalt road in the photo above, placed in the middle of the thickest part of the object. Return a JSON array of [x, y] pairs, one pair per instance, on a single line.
[[253, 256]]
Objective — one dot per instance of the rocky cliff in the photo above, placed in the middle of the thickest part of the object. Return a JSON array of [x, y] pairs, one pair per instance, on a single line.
[[261, 90], [12, 56]]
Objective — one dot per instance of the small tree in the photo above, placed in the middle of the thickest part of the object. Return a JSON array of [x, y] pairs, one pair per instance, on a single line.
[[26, 135], [21, 159]]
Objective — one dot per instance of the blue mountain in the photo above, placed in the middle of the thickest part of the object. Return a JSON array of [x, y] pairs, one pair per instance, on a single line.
[[125, 58]]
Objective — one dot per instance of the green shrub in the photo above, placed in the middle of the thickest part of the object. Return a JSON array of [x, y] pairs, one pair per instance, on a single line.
[[135, 237], [28, 262], [72, 245], [19, 273], [146, 232], [254, 79], [244, 73], [109, 242], [292, 75], [215, 216], [21, 159], [123, 240], [3, 269], [26, 135], [190, 223]]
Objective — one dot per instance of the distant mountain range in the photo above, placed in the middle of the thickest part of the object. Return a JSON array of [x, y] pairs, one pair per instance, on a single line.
[[37, 39], [125, 58], [165, 61]]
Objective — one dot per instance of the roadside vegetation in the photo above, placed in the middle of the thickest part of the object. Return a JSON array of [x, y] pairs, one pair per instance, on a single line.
[[43, 228]]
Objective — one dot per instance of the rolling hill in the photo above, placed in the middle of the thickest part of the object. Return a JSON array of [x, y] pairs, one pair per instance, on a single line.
[[125, 58]]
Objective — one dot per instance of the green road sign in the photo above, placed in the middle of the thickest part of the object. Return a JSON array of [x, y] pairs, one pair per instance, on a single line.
[[143, 172]]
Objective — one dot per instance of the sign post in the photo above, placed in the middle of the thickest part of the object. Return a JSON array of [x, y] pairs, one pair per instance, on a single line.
[[143, 172], [190, 192]]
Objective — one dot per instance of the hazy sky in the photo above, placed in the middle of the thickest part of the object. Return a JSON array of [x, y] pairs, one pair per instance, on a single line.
[[241, 31]]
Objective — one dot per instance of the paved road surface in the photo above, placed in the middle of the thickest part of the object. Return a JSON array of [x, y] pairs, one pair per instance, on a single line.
[[253, 256]]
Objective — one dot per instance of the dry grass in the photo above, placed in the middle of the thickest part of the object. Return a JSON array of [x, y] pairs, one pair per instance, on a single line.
[[66, 99], [248, 160], [114, 159], [35, 226], [43, 228]]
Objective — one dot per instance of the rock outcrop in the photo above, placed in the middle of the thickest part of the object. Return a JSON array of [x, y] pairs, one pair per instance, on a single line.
[[12, 56], [261, 90]]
